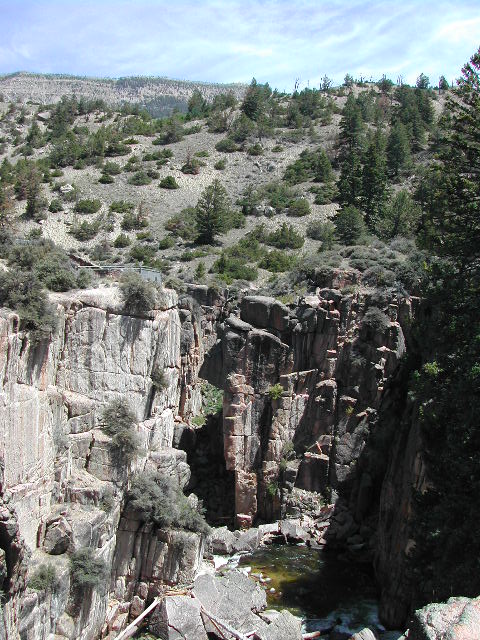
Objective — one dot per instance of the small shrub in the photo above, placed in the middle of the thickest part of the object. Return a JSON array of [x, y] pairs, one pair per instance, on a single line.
[[166, 243], [323, 231], [119, 423], [121, 206], [138, 294], [220, 165], [86, 570], [169, 182], [106, 179], [159, 378], [285, 238], [140, 178], [275, 391], [111, 168], [227, 145], [255, 150], [107, 501], [277, 148], [272, 489], [192, 166], [122, 241], [88, 206], [134, 221], [277, 261], [202, 154], [44, 578], [86, 230], [142, 253], [299, 208], [160, 500], [375, 319], [55, 206]]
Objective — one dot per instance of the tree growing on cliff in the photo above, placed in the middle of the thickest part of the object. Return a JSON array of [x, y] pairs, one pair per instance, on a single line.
[[119, 423], [138, 295]]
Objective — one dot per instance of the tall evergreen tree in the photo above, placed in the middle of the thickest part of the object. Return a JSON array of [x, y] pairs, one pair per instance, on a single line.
[[352, 136], [398, 149], [446, 385], [374, 179], [210, 212]]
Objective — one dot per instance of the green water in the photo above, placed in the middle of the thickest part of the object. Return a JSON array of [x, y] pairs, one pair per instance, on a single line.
[[316, 586]]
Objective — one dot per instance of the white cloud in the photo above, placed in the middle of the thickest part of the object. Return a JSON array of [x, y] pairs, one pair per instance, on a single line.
[[460, 31]]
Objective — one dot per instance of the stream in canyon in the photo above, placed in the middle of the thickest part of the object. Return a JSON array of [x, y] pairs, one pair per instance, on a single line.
[[315, 585]]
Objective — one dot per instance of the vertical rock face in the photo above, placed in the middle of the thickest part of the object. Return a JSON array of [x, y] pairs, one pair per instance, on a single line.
[[310, 377], [56, 463], [306, 379]]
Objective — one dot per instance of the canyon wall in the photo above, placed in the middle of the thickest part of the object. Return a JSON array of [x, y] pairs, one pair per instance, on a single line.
[[303, 386]]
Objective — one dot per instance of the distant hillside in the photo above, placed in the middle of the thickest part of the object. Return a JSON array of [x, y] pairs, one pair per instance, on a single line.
[[158, 95]]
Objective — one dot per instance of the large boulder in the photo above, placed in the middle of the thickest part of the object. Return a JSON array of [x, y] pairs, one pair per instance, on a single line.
[[178, 618], [284, 627], [456, 619], [233, 598]]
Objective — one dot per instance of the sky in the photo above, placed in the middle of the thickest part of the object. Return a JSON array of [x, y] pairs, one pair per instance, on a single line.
[[275, 41]]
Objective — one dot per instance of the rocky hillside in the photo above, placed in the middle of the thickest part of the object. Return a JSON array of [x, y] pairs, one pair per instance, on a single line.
[[159, 95], [270, 360]]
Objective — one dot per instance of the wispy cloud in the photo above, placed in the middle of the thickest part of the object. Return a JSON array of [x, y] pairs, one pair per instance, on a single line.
[[232, 40]]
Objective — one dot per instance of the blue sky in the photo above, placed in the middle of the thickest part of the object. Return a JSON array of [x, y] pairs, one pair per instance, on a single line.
[[232, 41]]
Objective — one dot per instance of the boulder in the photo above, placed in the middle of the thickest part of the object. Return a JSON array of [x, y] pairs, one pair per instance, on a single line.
[[233, 598], [456, 619], [364, 634], [222, 541], [285, 627], [178, 618], [58, 536]]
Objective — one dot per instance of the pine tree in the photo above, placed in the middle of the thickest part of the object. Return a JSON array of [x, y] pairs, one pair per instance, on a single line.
[[398, 149], [446, 387], [210, 212], [374, 179], [352, 137]]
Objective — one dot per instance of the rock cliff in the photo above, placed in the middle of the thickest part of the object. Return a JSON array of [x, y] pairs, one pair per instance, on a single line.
[[304, 386]]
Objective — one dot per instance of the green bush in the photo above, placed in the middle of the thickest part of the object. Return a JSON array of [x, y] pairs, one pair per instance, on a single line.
[[122, 206], [285, 238], [87, 571], [142, 253], [111, 168], [227, 145], [323, 231], [160, 500], [277, 261], [122, 241], [105, 178], [88, 206], [350, 226], [138, 294], [231, 269], [202, 154], [275, 391], [85, 231], [140, 178], [299, 208], [119, 422], [192, 166], [255, 150], [169, 182], [166, 243], [375, 319], [55, 206], [44, 578], [220, 165], [134, 221], [183, 224]]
